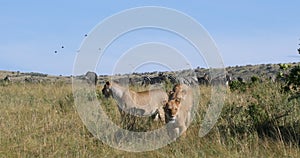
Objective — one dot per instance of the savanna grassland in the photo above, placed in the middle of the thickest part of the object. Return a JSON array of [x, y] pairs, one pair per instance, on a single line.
[[40, 120]]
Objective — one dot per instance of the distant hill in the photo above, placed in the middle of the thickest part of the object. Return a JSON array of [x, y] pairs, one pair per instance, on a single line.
[[265, 71]]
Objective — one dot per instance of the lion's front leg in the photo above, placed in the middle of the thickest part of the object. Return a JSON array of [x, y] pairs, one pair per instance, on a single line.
[[182, 130], [161, 114]]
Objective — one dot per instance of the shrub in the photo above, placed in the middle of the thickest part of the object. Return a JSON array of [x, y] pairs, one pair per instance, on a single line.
[[293, 79], [237, 85], [254, 79]]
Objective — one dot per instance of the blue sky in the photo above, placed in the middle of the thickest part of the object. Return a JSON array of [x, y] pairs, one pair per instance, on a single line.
[[246, 32]]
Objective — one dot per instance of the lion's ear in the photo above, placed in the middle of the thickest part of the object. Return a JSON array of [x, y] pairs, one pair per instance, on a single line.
[[184, 93], [176, 87], [177, 100], [164, 102], [171, 93]]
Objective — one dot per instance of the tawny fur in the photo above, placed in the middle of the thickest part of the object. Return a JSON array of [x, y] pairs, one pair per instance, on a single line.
[[144, 103], [178, 109]]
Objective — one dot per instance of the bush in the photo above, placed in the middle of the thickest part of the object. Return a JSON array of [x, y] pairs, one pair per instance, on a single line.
[[262, 110], [254, 79], [237, 85], [293, 79]]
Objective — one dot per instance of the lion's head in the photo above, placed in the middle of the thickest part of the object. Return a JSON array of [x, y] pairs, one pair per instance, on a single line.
[[171, 110], [173, 105]]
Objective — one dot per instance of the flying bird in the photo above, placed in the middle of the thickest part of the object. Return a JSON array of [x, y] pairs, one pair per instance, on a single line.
[[299, 50], [55, 51]]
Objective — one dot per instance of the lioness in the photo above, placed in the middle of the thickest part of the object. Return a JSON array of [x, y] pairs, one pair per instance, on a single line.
[[145, 103], [178, 110]]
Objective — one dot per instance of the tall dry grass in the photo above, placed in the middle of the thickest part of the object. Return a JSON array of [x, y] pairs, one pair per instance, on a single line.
[[39, 120]]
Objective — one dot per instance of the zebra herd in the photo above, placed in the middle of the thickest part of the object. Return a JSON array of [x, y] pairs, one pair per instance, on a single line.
[[145, 80]]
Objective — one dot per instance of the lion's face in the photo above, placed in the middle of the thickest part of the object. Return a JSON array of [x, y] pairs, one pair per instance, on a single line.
[[172, 107], [171, 110]]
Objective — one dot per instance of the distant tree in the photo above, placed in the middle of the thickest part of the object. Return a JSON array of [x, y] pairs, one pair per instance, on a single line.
[[284, 72], [299, 48], [293, 79], [291, 82]]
